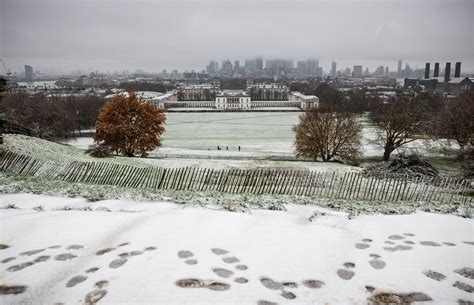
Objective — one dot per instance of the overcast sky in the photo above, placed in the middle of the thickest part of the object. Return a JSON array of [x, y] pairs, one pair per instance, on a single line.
[[109, 35]]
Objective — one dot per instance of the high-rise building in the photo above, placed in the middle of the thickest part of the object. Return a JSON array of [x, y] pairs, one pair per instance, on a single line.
[[236, 65], [399, 71], [279, 66], [313, 65], [259, 63], [213, 67], [333, 69], [357, 71], [226, 65], [28, 73], [302, 67], [250, 65]]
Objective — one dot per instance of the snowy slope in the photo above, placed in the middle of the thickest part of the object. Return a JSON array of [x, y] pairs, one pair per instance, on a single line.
[[275, 246]]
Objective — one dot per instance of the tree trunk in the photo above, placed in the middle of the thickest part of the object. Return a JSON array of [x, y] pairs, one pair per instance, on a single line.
[[386, 153]]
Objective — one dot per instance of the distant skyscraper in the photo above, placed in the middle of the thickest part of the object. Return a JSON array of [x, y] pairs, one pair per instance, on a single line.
[[333, 69], [226, 65], [28, 73], [213, 67], [313, 65], [357, 71], [259, 63], [399, 71], [250, 65], [302, 67], [236, 65]]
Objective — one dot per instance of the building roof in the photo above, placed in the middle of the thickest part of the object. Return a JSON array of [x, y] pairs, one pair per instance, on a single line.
[[149, 95], [303, 96], [228, 92]]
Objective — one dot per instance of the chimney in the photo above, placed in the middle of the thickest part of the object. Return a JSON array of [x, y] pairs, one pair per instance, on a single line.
[[427, 70], [436, 70], [457, 70], [447, 72]]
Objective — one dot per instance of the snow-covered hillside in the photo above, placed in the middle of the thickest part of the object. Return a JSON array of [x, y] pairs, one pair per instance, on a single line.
[[57, 250]]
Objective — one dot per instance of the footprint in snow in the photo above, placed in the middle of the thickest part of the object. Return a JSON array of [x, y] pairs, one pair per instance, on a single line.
[[313, 284], [75, 247], [16, 289], [95, 296], [241, 267], [434, 275], [64, 257], [464, 286], [117, 263], [361, 246], [377, 263], [241, 280], [19, 267], [395, 237], [466, 272], [186, 255], [76, 280], [429, 243], [103, 251], [8, 259], [31, 252], [222, 272]]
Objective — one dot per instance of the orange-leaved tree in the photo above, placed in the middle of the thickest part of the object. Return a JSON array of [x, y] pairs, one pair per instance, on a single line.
[[130, 125]]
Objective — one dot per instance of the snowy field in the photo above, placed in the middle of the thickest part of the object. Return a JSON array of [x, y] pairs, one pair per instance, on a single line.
[[126, 252], [259, 135]]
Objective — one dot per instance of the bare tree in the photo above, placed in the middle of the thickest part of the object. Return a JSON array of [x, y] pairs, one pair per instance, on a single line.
[[327, 133], [455, 121], [399, 120]]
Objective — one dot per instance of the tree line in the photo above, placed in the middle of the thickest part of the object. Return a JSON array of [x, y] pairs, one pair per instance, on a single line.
[[332, 131], [52, 117]]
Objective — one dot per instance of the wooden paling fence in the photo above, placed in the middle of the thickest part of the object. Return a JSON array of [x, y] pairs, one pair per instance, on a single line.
[[253, 181]]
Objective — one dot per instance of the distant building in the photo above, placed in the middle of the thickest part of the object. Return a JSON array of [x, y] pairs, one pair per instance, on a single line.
[[232, 100], [357, 71], [268, 92], [306, 101], [259, 63], [250, 65], [279, 66], [399, 70], [204, 92], [28, 73], [302, 67], [313, 65], [333, 69]]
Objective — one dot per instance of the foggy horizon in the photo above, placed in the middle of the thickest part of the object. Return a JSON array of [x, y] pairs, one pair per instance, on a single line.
[[57, 36]]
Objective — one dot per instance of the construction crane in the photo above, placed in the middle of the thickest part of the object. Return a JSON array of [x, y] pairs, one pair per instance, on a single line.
[[7, 71]]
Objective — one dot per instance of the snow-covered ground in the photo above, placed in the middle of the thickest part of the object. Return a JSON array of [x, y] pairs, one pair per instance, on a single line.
[[126, 252], [259, 135]]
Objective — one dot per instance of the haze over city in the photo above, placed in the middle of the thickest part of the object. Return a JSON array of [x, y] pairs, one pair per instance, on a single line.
[[58, 36], [244, 152]]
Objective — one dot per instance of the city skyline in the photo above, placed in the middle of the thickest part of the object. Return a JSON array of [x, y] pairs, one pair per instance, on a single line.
[[61, 36]]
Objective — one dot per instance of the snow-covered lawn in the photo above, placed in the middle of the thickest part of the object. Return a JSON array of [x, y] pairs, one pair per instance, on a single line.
[[258, 135], [46, 150], [233, 258]]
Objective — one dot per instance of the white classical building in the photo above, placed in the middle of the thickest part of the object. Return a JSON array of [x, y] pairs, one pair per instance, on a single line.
[[232, 100], [306, 101]]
